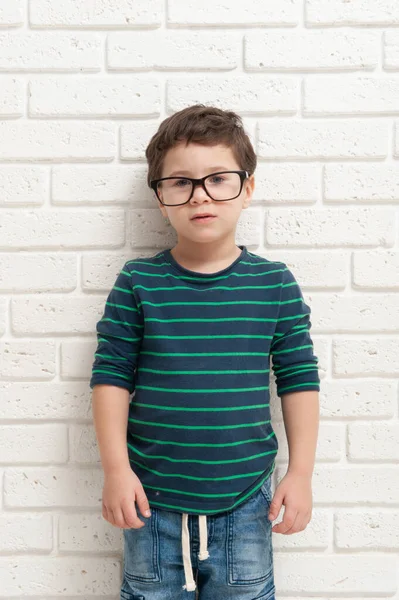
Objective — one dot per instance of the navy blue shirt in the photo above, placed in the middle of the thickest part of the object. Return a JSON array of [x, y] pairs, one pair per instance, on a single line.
[[195, 350]]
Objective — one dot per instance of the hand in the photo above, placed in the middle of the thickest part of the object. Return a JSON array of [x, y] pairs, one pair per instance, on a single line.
[[295, 492], [121, 489]]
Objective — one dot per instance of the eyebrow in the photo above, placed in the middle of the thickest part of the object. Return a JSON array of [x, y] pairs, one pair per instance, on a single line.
[[210, 169]]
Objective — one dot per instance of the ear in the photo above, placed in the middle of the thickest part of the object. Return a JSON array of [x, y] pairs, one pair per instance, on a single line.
[[249, 186]]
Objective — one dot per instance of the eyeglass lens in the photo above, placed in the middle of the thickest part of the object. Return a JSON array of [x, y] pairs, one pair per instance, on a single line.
[[222, 186]]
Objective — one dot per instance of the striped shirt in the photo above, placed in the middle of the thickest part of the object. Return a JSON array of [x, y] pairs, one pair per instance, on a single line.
[[195, 350]]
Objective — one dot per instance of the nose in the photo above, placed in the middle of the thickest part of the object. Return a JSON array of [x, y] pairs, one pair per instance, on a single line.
[[199, 193]]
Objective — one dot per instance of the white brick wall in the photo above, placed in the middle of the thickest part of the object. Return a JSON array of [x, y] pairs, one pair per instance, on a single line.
[[83, 87]]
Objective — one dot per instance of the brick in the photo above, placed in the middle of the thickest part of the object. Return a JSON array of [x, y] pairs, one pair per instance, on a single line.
[[367, 530], [189, 12], [396, 140], [26, 533], [302, 139], [3, 315], [35, 272], [50, 51], [51, 141], [384, 266], [314, 270], [373, 441], [350, 95], [374, 357], [114, 184], [375, 485], [367, 313], [72, 229], [58, 576], [361, 12], [23, 185], [307, 49], [77, 357], [135, 137], [318, 228], [55, 315], [102, 13], [88, 533], [178, 50], [29, 360], [58, 400], [52, 487], [350, 573], [34, 443], [282, 183], [12, 97], [11, 13], [359, 399], [365, 183], [391, 50], [94, 97], [83, 444], [263, 95]]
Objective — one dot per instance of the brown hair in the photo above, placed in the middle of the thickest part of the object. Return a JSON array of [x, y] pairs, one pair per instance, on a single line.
[[200, 124]]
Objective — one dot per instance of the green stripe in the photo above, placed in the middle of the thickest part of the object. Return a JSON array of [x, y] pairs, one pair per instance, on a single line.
[[122, 322], [122, 306], [297, 371], [279, 370], [229, 303], [205, 353], [299, 385], [192, 445], [293, 349], [222, 319], [205, 408], [216, 287], [207, 337], [203, 279], [111, 373], [201, 391], [200, 462], [230, 372], [197, 427], [193, 478], [110, 356]]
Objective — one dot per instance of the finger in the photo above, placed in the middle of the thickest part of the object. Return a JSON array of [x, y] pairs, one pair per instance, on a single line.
[[287, 522], [275, 507], [119, 519], [295, 527], [130, 515], [142, 503], [105, 513]]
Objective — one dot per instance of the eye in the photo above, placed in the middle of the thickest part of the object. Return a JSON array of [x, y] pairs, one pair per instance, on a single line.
[[176, 183], [216, 177]]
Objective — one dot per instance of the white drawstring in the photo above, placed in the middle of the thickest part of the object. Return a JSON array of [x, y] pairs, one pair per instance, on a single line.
[[190, 585]]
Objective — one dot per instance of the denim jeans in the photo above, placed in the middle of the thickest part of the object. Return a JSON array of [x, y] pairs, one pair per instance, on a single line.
[[240, 562]]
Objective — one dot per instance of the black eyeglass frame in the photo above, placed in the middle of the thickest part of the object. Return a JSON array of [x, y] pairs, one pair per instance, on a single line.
[[201, 181]]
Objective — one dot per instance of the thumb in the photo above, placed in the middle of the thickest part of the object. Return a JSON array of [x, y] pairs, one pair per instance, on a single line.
[[142, 503], [275, 507]]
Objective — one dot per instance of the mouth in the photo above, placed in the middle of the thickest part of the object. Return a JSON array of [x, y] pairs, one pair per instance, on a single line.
[[203, 218]]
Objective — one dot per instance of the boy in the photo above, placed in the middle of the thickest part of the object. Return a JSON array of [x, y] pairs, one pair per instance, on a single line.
[[191, 331]]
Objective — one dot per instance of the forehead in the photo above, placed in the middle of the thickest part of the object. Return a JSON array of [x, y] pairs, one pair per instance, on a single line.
[[195, 159]]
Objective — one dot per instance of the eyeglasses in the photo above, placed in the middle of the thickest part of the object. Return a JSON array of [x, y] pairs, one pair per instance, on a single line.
[[220, 186]]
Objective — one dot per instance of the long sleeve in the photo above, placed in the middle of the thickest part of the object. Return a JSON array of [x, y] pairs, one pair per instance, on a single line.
[[294, 363], [119, 336]]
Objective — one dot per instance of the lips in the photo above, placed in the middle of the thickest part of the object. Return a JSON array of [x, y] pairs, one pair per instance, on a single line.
[[202, 216]]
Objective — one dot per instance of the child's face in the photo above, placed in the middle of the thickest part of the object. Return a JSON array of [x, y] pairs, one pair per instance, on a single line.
[[197, 161]]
